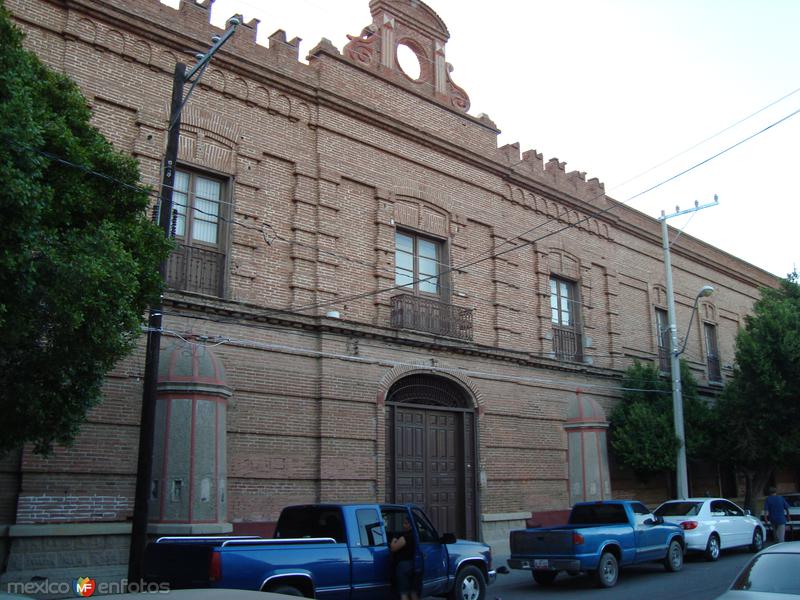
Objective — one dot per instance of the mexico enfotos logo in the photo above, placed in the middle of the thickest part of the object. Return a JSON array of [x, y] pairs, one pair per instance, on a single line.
[[85, 587]]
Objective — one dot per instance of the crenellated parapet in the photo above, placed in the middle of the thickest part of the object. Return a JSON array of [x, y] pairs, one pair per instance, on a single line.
[[553, 173], [412, 25]]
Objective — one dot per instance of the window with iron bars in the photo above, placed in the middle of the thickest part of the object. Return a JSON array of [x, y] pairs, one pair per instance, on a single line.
[[565, 317], [663, 337]]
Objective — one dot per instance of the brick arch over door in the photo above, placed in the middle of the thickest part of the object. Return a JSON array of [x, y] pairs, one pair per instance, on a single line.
[[431, 450]]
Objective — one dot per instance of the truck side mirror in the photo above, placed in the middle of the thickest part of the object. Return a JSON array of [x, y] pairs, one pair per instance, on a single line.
[[448, 538]]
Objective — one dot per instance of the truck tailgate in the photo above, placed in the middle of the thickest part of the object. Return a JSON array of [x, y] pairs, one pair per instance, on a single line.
[[180, 565], [541, 542]]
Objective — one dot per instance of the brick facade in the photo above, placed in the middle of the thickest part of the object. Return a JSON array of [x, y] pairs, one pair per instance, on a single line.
[[321, 163]]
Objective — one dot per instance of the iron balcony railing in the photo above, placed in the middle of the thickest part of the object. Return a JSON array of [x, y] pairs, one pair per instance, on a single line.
[[663, 359], [567, 344], [714, 372], [432, 316], [194, 269]]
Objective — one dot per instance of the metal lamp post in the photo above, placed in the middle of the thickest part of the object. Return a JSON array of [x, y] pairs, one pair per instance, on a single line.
[[677, 391], [675, 365]]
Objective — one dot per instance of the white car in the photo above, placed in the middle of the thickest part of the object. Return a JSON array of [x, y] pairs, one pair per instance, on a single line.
[[713, 524]]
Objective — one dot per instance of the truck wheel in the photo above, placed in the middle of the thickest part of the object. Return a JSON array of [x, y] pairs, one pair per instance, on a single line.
[[712, 548], [544, 578], [673, 561], [470, 585], [607, 571], [286, 590], [758, 540]]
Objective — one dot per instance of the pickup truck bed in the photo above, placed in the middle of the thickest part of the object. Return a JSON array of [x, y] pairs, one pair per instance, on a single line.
[[325, 551], [600, 538]]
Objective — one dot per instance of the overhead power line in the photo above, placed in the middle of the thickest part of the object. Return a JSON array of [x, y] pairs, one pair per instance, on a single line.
[[482, 258], [243, 342], [525, 243]]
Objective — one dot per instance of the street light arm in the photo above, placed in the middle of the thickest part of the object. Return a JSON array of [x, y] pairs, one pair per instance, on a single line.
[[707, 290], [688, 329]]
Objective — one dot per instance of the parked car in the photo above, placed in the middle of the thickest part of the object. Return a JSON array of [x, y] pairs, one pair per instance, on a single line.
[[772, 574], [331, 551], [600, 538], [713, 524], [793, 524]]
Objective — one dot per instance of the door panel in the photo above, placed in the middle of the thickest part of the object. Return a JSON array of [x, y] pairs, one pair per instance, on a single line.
[[434, 557], [443, 476], [429, 466], [410, 456]]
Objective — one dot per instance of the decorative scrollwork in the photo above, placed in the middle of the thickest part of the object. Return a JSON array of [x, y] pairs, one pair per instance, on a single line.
[[458, 97], [361, 49]]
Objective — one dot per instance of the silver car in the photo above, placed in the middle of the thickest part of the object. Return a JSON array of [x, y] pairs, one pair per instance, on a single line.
[[772, 574]]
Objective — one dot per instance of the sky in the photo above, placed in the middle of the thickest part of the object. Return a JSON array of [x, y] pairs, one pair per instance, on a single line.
[[632, 92]]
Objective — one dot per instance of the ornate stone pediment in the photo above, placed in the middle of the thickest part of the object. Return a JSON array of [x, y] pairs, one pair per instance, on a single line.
[[408, 25]]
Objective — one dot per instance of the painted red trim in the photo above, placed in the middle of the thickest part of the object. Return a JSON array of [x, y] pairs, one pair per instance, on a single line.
[[196, 396], [583, 443], [192, 457], [215, 485], [600, 466], [591, 429], [164, 458], [583, 463], [586, 420]]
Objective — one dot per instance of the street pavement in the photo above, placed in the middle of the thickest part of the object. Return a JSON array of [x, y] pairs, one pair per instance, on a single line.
[[699, 580]]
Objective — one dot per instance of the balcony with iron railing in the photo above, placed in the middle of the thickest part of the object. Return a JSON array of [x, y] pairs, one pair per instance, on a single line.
[[195, 269], [567, 344], [663, 359], [432, 316]]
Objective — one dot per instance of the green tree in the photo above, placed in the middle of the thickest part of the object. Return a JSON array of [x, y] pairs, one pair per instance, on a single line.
[[78, 257], [642, 432], [758, 415]]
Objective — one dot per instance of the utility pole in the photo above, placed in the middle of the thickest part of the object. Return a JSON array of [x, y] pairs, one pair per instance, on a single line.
[[675, 365], [144, 469]]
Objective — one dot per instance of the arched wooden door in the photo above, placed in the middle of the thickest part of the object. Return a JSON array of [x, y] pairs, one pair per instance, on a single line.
[[430, 454]]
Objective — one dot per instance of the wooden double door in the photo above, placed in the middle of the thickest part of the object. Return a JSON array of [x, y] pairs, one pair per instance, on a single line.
[[431, 463]]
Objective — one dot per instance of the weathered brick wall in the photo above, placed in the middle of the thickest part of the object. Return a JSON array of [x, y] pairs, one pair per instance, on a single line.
[[324, 161], [55, 509]]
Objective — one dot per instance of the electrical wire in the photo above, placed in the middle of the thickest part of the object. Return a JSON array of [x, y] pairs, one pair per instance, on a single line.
[[452, 344], [568, 226], [461, 267], [241, 342]]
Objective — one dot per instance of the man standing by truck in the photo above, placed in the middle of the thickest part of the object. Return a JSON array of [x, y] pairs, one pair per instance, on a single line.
[[776, 512], [403, 549]]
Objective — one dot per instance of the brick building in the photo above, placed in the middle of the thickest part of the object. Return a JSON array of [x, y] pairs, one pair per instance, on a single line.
[[369, 299]]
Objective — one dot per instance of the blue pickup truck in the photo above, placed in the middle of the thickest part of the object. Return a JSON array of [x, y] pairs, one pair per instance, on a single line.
[[331, 551], [600, 538]]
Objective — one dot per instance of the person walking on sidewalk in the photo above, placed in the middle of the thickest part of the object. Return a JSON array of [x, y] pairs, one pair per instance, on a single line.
[[776, 511]]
